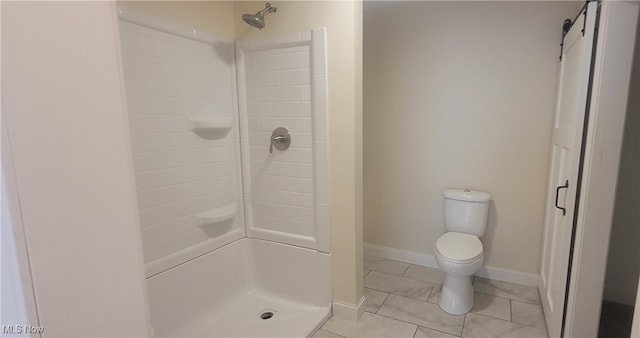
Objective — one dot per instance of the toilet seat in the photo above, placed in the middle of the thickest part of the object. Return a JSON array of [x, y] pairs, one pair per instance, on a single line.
[[460, 248]]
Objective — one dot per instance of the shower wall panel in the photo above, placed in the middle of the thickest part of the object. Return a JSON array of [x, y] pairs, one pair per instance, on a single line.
[[282, 84], [182, 115], [278, 96]]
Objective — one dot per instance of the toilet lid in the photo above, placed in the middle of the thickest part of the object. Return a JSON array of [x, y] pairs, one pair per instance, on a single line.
[[459, 247]]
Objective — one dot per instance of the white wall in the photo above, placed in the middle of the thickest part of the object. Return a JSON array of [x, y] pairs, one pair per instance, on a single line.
[[281, 181], [181, 172], [623, 262], [460, 95], [18, 305], [342, 20], [64, 108]]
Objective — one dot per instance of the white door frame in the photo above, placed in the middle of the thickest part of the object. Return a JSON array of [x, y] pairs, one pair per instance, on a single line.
[[611, 78], [635, 329]]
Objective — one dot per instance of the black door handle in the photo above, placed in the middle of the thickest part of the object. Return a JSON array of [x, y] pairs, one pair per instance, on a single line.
[[566, 185]]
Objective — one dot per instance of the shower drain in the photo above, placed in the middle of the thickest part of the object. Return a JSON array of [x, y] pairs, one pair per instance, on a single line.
[[266, 315]]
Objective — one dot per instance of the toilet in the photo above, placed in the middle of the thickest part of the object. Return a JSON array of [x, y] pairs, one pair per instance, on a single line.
[[459, 251]]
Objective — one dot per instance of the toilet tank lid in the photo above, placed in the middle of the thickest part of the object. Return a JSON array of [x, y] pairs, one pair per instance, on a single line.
[[467, 195]]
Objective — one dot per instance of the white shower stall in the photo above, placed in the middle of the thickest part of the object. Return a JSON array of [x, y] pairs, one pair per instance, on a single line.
[[235, 231]]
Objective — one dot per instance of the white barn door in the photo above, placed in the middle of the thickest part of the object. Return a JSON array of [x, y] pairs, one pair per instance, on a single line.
[[568, 128]]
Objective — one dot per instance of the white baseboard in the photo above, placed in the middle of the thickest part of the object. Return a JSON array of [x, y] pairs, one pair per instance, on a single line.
[[400, 255], [511, 276], [349, 311], [619, 295], [429, 260]]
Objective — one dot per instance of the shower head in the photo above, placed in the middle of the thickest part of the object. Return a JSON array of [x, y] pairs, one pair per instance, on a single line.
[[257, 20]]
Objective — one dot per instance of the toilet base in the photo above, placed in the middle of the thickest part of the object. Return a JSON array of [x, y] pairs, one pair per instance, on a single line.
[[456, 296]]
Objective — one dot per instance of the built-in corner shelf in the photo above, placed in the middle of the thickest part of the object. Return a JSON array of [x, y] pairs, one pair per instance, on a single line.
[[219, 214], [210, 128]]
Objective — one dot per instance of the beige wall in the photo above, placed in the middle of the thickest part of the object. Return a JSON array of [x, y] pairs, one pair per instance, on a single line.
[[345, 151], [459, 95], [623, 262], [67, 130], [214, 17]]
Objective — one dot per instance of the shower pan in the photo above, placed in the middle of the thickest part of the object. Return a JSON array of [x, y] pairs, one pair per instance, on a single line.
[[229, 142]]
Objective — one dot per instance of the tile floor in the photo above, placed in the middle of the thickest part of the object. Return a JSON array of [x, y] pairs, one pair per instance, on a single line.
[[402, 301]]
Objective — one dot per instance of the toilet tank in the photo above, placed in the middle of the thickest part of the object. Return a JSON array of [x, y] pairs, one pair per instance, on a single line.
[[466, 211]]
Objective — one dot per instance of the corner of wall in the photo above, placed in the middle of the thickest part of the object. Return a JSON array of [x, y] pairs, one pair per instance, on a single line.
[[215, 17]]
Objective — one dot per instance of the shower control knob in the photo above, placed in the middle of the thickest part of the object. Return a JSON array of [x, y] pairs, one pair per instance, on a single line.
[[280, 139]]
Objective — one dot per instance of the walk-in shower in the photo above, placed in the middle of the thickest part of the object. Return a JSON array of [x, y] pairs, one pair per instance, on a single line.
[[229, 142], [257, 20]]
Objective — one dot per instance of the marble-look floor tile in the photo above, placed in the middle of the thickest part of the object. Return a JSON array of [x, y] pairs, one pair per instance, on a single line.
[[424, 332], [370, 325], [326, 334], [434, 297], [479, 326], [421, 313], [523, 293], [423, 273], [527, 314], [385, 265], [398, 285], [491, 306], [374, 298]]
